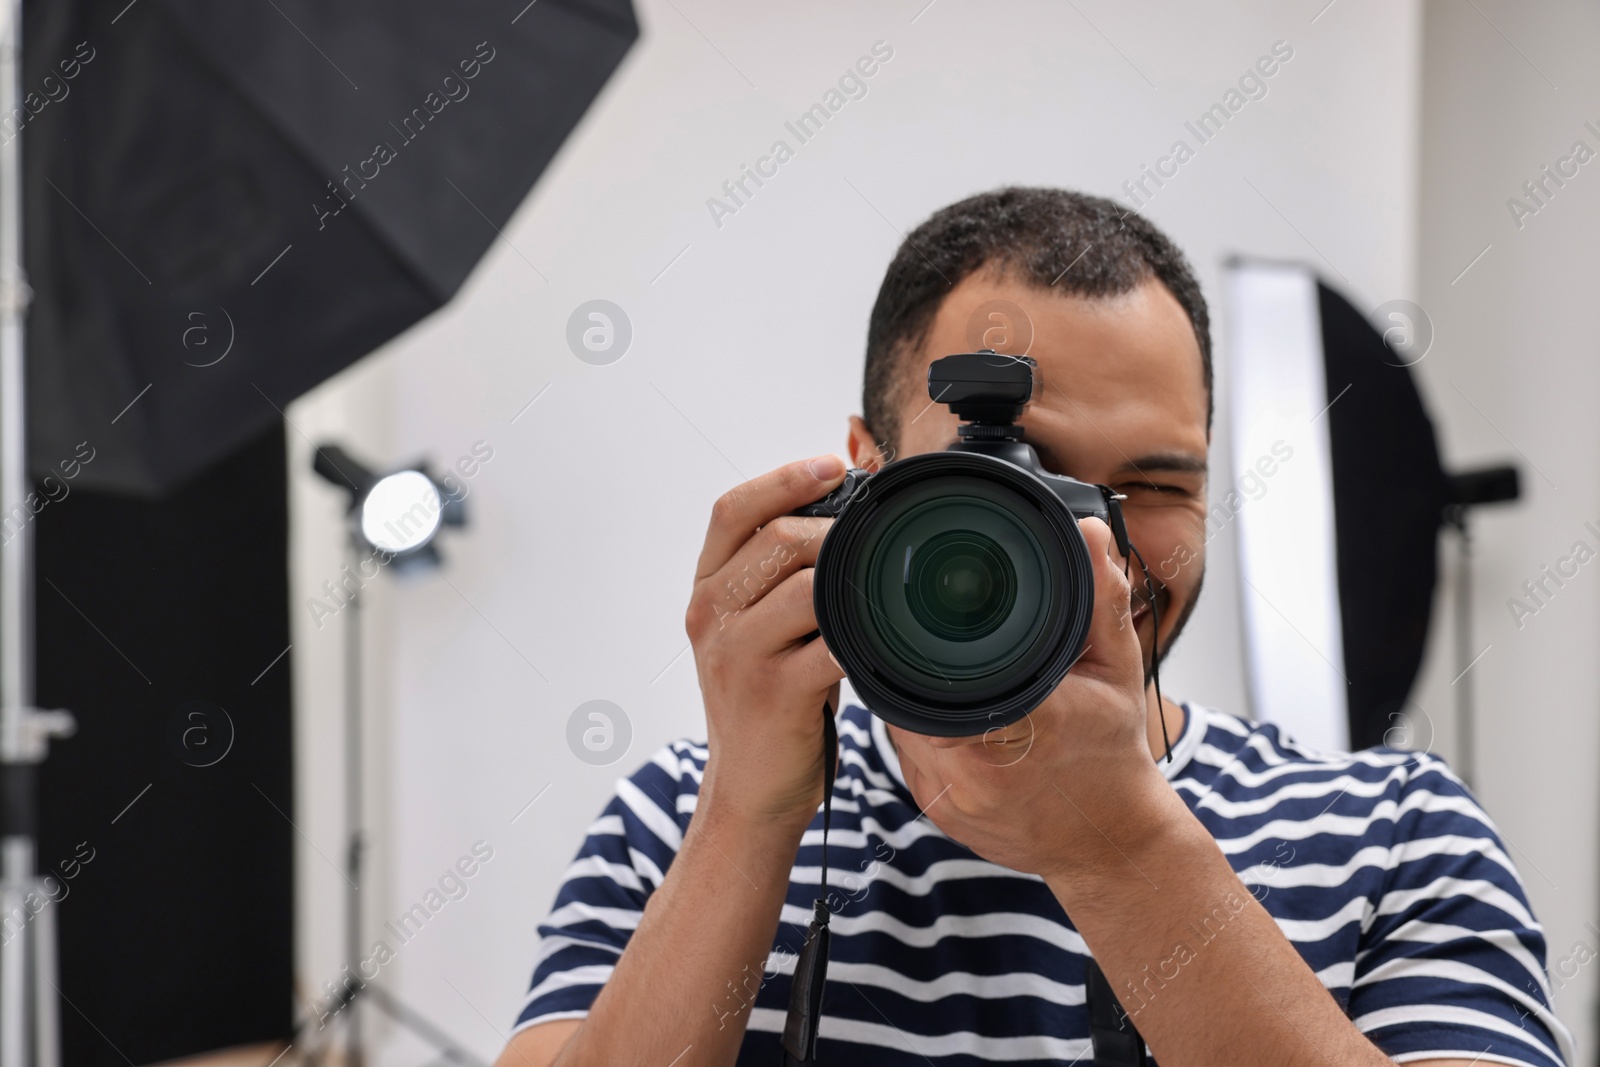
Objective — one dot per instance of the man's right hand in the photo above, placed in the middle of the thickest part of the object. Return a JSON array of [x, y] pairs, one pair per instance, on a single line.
[[714, 916], [763, 683]]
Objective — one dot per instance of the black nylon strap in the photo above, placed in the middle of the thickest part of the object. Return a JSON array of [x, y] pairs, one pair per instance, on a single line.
[[1111, 1033], [811, 969], [830, 763]]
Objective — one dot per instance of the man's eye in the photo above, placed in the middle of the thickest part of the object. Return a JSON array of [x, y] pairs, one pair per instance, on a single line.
[[1151, 487]]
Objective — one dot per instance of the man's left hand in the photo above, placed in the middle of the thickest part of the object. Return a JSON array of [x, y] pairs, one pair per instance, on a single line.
[[1053, 792]]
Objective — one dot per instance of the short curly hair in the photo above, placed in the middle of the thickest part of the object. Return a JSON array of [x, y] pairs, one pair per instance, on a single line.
[[1059, 239]]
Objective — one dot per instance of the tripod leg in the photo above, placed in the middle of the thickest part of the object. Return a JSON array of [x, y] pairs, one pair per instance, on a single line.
[[424, 1029], [314, 1048]]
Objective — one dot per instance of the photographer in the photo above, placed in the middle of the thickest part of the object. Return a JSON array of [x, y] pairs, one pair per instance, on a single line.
[[1248, 900]]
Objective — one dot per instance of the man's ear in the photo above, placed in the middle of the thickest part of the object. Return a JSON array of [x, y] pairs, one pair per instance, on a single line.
[[866, 451]]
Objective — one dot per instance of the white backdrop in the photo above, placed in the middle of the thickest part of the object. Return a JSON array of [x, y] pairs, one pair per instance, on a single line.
[[571, 581], [1513, 375]]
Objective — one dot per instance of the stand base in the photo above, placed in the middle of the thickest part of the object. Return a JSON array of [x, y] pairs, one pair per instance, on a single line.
[[316, 1054]]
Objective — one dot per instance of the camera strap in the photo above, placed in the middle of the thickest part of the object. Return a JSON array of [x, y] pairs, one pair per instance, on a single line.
[[1155, 640], [1130, 552], [811, 969], [1111, 1033]]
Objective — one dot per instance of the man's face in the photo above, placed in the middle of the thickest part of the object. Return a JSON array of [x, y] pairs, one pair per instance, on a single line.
[[1123, 403]]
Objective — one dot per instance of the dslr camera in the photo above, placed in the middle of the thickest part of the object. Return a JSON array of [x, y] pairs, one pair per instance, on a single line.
[[954, 587]]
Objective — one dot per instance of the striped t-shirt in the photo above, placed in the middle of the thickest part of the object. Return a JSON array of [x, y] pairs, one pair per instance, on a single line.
[[1378, 866]]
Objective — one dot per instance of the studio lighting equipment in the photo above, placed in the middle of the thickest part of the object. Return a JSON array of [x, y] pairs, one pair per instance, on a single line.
[[395, 516], [398, 514], [1337, 496], [222, 218]]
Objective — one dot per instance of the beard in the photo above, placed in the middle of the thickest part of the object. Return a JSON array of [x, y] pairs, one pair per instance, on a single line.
[[1160, 612]]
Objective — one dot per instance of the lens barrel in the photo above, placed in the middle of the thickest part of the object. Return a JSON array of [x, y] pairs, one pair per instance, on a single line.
[[955, 590]]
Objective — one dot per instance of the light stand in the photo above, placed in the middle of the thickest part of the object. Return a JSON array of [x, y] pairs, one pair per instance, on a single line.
[[1490, 485], [30, 1033], [399, 515]]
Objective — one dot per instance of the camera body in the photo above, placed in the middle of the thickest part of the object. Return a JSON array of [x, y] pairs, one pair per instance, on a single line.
[[954, 587]]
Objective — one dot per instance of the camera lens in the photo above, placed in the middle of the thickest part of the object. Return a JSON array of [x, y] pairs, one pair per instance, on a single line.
[[955, 591], [960, 585], [951, 581]]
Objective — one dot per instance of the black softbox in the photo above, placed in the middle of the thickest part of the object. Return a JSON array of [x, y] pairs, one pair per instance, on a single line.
[[1339, 560], [1391, 491], [289, 182]]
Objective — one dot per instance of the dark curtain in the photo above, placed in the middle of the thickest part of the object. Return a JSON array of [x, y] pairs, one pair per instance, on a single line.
[[157, 623]]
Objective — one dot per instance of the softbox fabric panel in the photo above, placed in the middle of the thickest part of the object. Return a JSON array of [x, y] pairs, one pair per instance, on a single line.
[[227, 204], [1389, 490]]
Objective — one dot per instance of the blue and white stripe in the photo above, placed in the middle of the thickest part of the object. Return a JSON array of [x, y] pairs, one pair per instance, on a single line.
[[1379, 866]]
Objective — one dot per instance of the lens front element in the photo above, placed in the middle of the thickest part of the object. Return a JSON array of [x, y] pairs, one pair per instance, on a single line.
[[960, 585], [951, 584]]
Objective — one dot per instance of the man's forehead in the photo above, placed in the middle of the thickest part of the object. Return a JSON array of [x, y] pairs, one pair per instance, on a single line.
[[1095, 351]]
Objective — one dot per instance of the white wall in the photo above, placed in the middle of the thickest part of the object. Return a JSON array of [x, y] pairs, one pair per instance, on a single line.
[[1513, 375], [571, 582]]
